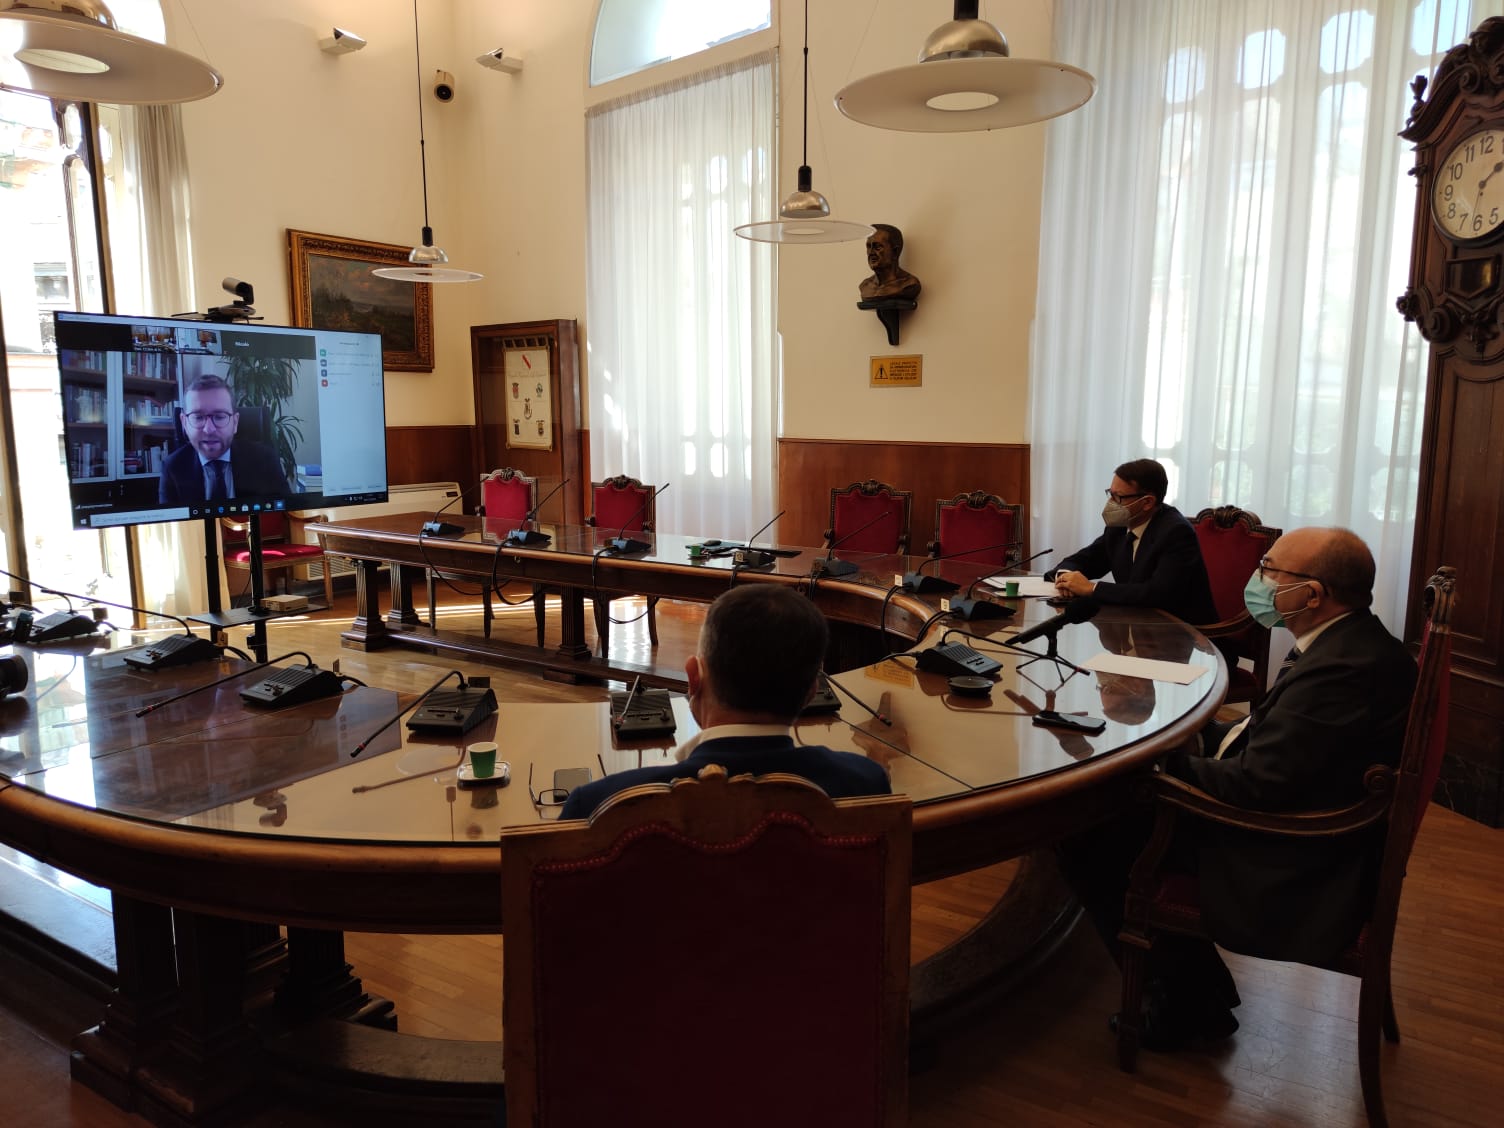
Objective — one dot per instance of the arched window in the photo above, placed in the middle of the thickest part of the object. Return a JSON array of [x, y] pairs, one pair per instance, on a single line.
[[632, 35]]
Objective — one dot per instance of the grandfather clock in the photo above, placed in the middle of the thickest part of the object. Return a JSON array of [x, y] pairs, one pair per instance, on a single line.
[[1456, 299]]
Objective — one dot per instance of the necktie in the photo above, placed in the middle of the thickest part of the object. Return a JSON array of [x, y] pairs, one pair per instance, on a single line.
[[1237, 736], [216, 469], [1132, 546]]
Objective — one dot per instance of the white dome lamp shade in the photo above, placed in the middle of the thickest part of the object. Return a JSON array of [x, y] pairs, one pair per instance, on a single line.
[[73, 51], [965, 80]]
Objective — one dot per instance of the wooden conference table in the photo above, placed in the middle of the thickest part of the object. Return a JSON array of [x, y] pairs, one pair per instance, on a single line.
[[214, 823]]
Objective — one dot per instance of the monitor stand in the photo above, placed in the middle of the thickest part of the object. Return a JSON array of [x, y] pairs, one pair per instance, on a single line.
[[258, 612]]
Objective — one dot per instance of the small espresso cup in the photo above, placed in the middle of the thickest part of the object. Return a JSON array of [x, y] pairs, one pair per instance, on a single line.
[[483, 759], [696, 551], [1010, 589]]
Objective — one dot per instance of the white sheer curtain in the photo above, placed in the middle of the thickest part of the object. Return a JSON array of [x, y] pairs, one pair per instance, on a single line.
[[683, 346], [1227, 226], [152, 272]]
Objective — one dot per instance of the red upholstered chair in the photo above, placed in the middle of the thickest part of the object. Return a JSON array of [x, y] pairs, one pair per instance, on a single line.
[[1232, 544], [621, 505], [506, 497], [281, 549], [855, 505], [982, 522], [1161, 902], [727, 952]]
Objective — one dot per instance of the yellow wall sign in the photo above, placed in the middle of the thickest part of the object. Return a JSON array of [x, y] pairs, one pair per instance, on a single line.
[[896, 371]]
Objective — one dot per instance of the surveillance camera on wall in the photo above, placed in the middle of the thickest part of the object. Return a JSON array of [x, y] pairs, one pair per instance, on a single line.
[[443, 86], [342, 42], [499, 60]]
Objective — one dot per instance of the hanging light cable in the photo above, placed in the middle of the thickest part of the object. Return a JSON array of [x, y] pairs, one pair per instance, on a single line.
[[804, 216], [427, 261], [966, 80]]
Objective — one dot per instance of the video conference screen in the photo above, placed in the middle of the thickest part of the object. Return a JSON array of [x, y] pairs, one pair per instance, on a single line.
[[165, 420]]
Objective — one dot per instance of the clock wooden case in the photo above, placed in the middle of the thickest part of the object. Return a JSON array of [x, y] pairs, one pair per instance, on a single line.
[[1456, 299], [527, 408]]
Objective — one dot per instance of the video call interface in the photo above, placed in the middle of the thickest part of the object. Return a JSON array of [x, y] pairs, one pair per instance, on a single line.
[[300, 425]]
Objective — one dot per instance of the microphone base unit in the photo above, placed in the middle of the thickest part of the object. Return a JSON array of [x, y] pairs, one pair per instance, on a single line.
[[973, 609], [922, 584], [175, 650], [623, 545], [955, 659], [830, 566], [453, 712], [526, 538], [651, 714], [441, 529], [295, 685], [822, 703], [55, 627], [752, 558]]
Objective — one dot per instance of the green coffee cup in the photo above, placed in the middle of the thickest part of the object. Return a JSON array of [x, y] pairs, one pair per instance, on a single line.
[[482, 759]]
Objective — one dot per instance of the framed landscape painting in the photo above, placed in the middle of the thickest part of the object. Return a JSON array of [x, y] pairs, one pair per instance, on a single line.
[[333, 288]]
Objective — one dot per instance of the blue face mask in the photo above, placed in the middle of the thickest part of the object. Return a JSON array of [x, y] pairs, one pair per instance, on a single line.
[[1258, 597]]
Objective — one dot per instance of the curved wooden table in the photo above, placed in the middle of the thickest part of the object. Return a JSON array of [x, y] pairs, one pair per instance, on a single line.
[[206, 814]]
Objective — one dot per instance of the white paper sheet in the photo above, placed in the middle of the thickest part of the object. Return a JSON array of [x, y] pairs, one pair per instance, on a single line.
[[1181, 673], [1027, 585]]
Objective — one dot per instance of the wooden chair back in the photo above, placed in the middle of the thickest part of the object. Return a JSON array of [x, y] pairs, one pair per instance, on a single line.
[[1233, 541], [978, 527], [508, 496], [691, 931], [884, 511]]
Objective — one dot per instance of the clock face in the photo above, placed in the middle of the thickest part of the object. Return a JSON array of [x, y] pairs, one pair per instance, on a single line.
[[1467, 197]]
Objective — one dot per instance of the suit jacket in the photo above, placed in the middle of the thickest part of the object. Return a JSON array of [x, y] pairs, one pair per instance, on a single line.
[[1339, 709], [840, 775], [1167, 572], [255, 466]]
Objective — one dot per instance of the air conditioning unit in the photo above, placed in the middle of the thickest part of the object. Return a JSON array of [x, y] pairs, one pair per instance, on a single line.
[[419, 497]]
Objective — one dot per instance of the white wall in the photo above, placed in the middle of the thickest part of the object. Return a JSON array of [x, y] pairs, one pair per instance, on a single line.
[[328, 144]]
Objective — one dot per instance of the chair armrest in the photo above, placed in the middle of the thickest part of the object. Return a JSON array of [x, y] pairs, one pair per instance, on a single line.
[[1378, 783], [1226, 627]]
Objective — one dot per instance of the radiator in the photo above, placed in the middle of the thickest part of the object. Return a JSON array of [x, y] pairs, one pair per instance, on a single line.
[[424, 497]]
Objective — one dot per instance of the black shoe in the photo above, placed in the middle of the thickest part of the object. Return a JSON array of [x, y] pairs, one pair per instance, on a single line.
[[1164, 1031]]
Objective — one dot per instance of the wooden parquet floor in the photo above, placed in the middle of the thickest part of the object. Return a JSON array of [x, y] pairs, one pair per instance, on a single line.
[[1041, 1057]]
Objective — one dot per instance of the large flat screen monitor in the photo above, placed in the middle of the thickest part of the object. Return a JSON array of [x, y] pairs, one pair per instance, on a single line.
[[165, 419]]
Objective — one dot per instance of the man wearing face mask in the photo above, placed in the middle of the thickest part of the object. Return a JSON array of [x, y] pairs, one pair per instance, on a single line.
[[1338, 706], [1149, 548]]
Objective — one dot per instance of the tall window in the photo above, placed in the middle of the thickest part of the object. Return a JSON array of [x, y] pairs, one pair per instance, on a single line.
[[1228, 225], [682, 342]]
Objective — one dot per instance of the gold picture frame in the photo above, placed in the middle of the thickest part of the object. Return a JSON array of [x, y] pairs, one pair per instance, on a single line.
[[333, 288]]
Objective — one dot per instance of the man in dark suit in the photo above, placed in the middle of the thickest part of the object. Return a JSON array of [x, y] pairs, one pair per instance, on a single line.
[[1338, 706], [215, 464], [1150, 550], [757, 663]]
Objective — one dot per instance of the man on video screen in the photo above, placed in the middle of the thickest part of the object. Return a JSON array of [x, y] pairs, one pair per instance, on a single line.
[[215, 465]]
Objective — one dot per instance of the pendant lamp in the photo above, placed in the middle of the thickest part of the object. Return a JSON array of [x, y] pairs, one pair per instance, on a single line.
[[427, 262], [966, 80], [804, 216], [72, 50]]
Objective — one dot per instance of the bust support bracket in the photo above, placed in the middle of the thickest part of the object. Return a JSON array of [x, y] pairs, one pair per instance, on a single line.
[[888, 310]]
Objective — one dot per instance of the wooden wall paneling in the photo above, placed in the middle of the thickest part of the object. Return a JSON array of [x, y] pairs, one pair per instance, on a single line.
[[431, 454], [809, 468]]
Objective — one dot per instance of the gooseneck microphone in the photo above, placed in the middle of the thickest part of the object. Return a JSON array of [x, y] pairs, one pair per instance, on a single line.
[[149, 709], [917, 581], [621, 543], [524, 537], [437, 528], [839, 688], [1076, 611], [750, 557], [971, 609], [397, 716], [828, 565]]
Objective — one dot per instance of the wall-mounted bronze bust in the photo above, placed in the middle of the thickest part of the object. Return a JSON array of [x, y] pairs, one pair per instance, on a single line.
[[888, 279]]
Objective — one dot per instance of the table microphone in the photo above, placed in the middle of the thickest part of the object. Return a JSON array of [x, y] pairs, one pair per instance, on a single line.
[[916, 581], [521, 537], [1076, 611], [750, 557], [970, 609], [220, 681], [621, 543], [830, 681], [174, 650], [827, 565], [437, 528], [422, 697]]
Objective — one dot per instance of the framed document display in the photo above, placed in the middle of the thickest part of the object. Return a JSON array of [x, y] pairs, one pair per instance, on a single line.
[[527, 408]]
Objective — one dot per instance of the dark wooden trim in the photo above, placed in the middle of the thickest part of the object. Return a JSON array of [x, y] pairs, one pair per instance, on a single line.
[[440, 453]]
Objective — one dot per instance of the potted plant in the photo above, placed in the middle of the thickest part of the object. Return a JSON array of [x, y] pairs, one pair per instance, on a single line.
[[267, 381]]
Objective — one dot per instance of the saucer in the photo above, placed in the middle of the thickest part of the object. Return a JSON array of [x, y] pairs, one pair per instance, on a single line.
[[466, 777]]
